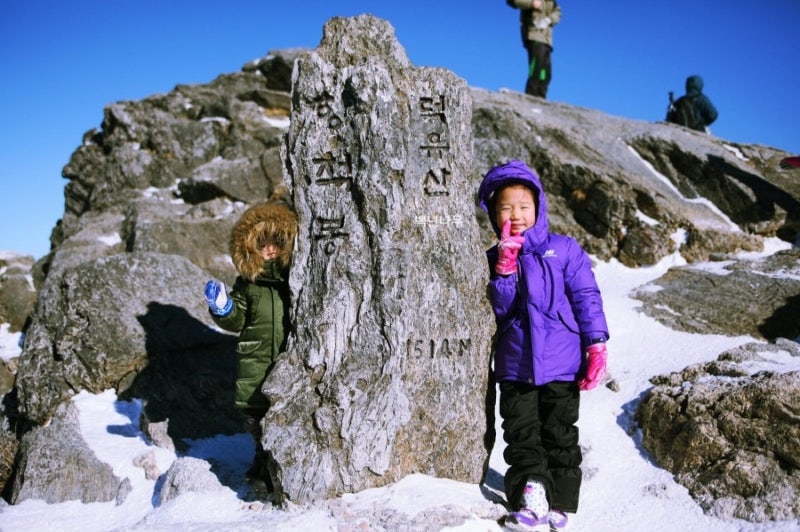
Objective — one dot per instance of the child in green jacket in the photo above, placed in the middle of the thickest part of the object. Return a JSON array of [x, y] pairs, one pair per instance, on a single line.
[[261, 246]]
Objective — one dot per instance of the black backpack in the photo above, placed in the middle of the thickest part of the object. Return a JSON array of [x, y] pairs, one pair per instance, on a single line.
[[683, 113]]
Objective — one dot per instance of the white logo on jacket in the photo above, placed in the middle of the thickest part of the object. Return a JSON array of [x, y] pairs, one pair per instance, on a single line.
[[549, 253]]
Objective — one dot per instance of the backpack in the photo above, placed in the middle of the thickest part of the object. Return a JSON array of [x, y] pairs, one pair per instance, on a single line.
[[683, 113]]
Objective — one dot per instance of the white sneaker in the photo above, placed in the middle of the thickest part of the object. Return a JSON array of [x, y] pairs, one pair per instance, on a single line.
[[557, 519], [526, 521]]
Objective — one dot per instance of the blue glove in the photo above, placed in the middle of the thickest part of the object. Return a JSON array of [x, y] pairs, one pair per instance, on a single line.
[[217, 298]]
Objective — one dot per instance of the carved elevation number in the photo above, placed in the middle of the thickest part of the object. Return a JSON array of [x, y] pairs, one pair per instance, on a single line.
[[439, 348]]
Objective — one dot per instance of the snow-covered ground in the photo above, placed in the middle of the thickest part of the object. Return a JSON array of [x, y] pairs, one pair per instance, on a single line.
[[623, 489]]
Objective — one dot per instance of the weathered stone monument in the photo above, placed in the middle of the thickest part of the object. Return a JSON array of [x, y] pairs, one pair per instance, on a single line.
[[385, 371]]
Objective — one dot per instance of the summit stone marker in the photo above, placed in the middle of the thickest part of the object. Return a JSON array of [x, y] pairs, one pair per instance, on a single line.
[[385, 372]]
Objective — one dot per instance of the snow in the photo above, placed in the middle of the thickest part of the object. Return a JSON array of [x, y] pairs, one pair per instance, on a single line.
[[150, 192], [110, 240], [646, 219], [716, 268], [279, 123], [219, 119], [736, 151], [623, 488], [8, 342]]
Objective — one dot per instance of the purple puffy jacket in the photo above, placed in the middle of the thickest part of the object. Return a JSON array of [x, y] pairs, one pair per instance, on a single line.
[[550, 310]]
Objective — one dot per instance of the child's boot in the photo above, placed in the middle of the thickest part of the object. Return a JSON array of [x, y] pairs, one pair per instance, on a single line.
[[533, 514], [557, 519]]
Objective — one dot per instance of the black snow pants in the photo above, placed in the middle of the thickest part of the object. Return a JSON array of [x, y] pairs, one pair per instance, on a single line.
[[539, 68], [542, 441]]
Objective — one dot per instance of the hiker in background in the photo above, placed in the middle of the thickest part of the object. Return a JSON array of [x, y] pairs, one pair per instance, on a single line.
[[694, 109], [537, 18]]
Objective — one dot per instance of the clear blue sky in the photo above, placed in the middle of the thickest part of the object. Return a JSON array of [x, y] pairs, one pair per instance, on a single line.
[[62, 62]]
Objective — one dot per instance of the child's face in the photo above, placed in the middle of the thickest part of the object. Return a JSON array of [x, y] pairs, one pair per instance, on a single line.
[[515, 203], [269, 252]]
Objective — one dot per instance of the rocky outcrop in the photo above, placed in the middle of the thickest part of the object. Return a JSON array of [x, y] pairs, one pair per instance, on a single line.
[[17, 290], [729, 431], [187, 475], [170, 173], [132, 322], [151, 199], [759, 297], [56, 465], [628, 189]]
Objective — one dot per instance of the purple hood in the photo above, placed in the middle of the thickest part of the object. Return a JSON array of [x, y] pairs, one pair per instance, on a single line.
[[516, 172]]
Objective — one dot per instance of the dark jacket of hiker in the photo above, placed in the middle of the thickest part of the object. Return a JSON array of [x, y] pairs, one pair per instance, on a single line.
[[703, 107]]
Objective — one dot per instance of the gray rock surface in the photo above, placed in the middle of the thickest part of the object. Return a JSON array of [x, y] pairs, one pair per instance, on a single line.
[[624, 187], [759, 297], [57, 465], [187, 475], [17, 290], [729, 431], [385, 373], [133, 322]]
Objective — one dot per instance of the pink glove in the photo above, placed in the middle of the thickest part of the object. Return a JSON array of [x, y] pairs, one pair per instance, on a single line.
[[508, 250], [596, 357]]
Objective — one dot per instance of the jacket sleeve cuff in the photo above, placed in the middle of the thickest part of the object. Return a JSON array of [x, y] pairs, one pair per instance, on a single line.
[[595, 338]]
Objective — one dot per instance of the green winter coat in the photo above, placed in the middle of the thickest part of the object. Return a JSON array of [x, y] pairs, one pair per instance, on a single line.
[[529, 19], [260, 317]]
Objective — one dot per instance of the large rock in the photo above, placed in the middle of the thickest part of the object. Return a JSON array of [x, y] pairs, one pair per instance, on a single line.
[[56, 465], [195, 144], [624, 188], [199, 233], [188, 475], [385, 373], [757, 297], [729, 431], [17, 293], [136, 323]]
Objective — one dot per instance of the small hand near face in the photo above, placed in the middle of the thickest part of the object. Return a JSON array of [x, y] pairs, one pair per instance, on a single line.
[[508, 250]]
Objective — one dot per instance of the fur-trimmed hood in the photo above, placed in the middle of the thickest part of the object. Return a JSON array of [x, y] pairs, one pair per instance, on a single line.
[[272, 222]]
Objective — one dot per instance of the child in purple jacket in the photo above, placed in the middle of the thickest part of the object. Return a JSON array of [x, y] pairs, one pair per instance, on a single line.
[[549, 312]]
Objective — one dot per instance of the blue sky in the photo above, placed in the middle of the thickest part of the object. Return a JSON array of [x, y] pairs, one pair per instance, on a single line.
[[62, 62]]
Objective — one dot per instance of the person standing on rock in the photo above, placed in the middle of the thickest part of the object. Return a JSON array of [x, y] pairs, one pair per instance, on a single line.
[[550, 344], [699, 112], [261, 246], [537, 18]]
